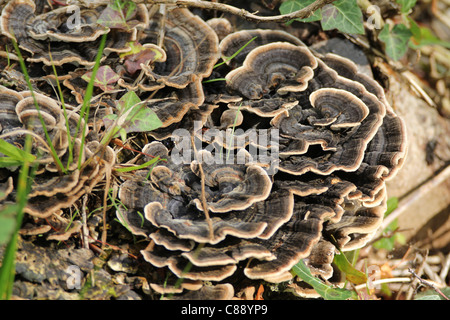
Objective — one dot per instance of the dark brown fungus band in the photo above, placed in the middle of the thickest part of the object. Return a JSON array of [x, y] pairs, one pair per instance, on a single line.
[[272, 67], [245, 41], [217, 292], [55, 39], [191, 45], [172, 109], [60, 25], [221, 26], [52, 190], [238, 187], [63, 192]]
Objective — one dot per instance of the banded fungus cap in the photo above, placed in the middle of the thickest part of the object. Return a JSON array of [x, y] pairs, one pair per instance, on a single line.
[[274, 66], [184, 34], [244, 41]]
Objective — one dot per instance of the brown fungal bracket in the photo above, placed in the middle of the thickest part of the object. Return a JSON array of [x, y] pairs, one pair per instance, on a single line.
[[190, 44], [245, 41], [282, 67], [56, 38], [57, 25], [52, 190], [339, 142], [229, 200], [268, 74]]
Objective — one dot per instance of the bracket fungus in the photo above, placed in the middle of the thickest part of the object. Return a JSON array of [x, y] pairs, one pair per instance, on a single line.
[[191, 46], [339, 142], [51, 189], [57, 37]]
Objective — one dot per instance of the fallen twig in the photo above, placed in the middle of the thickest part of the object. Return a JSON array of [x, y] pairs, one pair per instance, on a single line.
[[381, 281], [299, 14], [445, 268], [203, 194], [85, 230], [428, 284]]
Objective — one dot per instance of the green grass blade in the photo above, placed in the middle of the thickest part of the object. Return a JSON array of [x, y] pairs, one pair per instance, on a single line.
[[236, 53], [233, 129], [15, 153], [326, 291], [27, 79], [142, 166], [61, 97], [7, 269], [84, 113]]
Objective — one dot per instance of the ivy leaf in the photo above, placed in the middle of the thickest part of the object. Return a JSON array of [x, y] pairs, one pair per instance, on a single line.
[[396, 40], [295, 5], [133, 116], [327, 292], [406, 5], [117, 15], [104, 79], [344, 15]]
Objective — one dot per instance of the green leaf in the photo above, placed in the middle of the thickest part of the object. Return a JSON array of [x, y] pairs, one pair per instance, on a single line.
[[295, 5], [396, 40], [117, 15], [6, 162], [406, 5], [415, 30], [15, 153], [327, 292], [392, 204], [423, 36], [133, 116], [351, 274], [104, 78], [430, 294], [344, 15], [389, 243]]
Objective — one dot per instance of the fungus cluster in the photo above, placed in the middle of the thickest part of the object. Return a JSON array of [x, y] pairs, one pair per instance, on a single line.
[[51, 190], [282, 156], [338, 143], [67, 35]]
